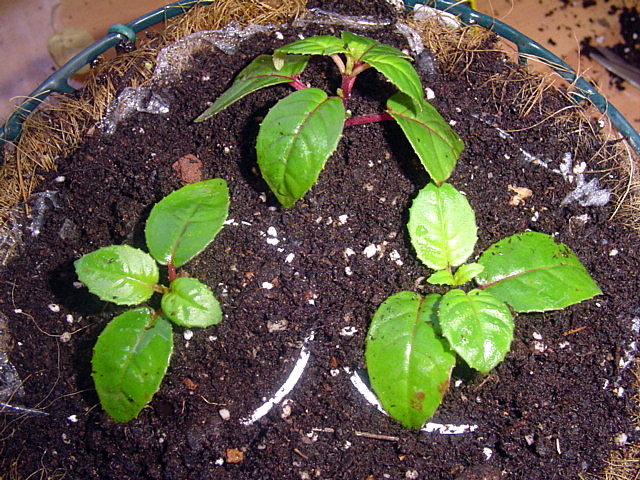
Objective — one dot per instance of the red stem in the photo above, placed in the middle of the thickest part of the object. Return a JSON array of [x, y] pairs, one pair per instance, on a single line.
[[347, 86], [297, 84], [371, 118], [171, 272]]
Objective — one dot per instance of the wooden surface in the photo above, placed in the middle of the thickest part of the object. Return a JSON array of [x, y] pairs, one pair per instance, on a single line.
[[560, 27]]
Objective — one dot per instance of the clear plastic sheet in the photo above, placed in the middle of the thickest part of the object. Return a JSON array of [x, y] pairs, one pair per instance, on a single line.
[[132, 100]]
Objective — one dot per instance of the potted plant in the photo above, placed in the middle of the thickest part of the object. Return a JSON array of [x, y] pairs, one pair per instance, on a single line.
[[310, 278]]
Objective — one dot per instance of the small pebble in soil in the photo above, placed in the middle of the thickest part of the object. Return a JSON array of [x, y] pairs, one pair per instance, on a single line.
[[411, 475], [267, 285], [73, 418], [286, 410], [348, 331], [65, 337], [370, 251], [234, 455], [187, 334], [487, 452], [54, 307], [224, 414], [621, 439]]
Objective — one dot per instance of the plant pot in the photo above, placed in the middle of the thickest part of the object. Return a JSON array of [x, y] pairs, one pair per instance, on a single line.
[[304, 283]]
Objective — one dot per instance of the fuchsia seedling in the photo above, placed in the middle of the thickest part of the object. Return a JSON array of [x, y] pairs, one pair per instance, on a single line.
[[302, 130], [132, 353]]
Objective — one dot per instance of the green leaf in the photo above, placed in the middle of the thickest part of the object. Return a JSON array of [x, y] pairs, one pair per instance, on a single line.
[[260, 73], [191, 304], [183, 223], [441, 277], [478, 325], [119, 273], [357, 45], [442, 226], [533, 273], [398, 71], [467, 272], [129, 361], [296, 138], [436, 144], [409, 365], [320, 45]]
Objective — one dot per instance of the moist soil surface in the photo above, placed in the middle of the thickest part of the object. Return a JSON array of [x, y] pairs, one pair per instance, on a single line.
[[552, 410]]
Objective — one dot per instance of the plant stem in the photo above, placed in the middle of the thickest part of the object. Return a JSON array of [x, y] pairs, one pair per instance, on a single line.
[[371, 118], [347, 86], [297, 84], [171, 272], [338, 61]]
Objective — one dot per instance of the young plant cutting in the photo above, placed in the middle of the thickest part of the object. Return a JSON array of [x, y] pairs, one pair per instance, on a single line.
[[133, 352], [302, 130], [413, 341]]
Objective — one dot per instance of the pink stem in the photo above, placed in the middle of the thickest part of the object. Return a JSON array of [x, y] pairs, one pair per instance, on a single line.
[[297, 84], [371, 118], [347, 86], [171, 272]]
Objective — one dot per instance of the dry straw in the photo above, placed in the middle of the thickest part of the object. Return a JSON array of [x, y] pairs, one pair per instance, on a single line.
[[59, 126]]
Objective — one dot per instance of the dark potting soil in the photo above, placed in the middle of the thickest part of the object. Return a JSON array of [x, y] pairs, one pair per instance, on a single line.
[[552, 410]]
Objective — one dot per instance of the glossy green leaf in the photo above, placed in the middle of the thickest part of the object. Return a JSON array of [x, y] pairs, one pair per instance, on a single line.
[[129, 361], [296, 138], [357, 45], [320, 45], [409, 365], [478, 325], [183, 223], [533, 273], [436, 144], [442, 226], [398, 71], [119, 273], [467, 272], [260, 73], [191, 303], [441, 277]]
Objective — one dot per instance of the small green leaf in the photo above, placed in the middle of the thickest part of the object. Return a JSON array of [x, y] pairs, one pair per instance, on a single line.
[[183, 223], [533, 273], [409, 365], [398, 71], [436, 144], [260, 73], [467, 272], [296, 138], [357, 45], [320, 45], [478, 325], [129, 361], [119, 273], [442, 226], [191, 304], [441, 277]]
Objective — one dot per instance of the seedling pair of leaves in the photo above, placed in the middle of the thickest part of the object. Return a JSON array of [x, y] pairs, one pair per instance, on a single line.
[[133, 352], [302, 130], [413, 341]]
